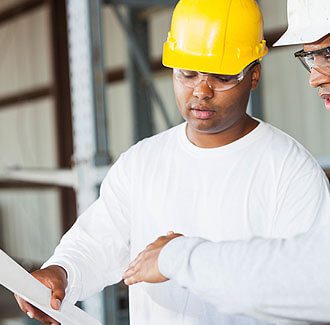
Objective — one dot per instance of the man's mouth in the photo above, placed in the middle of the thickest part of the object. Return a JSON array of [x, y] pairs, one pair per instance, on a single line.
[[202, 113], [326, 98]]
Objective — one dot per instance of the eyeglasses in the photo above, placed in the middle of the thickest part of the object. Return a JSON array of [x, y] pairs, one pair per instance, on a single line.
[[318, 60], [217, 82]]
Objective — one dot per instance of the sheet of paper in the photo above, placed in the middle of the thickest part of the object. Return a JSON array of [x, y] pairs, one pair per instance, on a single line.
[[20, 282]]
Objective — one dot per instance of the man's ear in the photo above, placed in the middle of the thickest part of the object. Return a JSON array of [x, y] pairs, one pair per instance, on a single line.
[[255, 77]]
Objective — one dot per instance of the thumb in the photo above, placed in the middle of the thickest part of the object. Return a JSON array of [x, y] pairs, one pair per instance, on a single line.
[[57, 298]]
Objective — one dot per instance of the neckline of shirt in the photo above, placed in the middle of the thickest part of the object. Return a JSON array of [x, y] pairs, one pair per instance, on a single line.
[[251, 137]]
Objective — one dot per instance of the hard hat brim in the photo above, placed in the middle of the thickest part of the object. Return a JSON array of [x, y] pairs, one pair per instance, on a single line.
[[174, 58], [306, 36]]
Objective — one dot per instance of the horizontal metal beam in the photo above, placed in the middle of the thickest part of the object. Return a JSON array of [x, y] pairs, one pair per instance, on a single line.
[[16, 185], [25, 96], [115, 75], [50, 177], [142, 3], [19, 9], [59, 177]]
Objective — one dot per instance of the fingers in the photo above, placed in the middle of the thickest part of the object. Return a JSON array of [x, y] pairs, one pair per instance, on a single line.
[[132, 276], [58, 292], [55, 303], [23, 305], [33, 312], [55, 278], [173, 234], [136, 261], [42, 317], [129, 273], [145, 267], [57, 297], [131, 280]]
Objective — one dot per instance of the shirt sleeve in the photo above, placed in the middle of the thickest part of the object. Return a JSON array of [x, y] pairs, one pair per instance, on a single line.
[[284, 281], [95, 251], [280, 280]]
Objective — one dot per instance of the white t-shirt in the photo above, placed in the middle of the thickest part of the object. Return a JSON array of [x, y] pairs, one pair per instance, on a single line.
[[264, 184]]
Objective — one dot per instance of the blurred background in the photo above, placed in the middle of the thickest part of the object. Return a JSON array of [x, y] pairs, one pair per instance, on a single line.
[[80, 82]]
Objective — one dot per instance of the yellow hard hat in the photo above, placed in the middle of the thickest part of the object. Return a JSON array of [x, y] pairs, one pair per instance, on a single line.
[[215, 36]]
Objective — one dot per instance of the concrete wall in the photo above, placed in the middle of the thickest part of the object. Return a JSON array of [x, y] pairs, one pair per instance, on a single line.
[[29, 219]]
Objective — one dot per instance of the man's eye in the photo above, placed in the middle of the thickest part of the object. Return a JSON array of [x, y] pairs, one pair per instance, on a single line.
[[188, 75], [222, 78]]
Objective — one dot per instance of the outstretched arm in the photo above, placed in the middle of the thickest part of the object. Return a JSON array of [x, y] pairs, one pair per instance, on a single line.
[[284, 280]]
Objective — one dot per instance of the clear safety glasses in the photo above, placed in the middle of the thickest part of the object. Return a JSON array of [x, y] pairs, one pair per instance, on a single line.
[[217, 82], [318, 60]]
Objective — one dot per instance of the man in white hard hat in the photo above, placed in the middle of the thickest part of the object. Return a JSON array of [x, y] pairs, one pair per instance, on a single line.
[[309, 24], [282, 280]]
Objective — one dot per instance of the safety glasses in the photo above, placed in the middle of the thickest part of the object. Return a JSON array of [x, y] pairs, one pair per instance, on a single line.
[[318, 60], [217, 82]]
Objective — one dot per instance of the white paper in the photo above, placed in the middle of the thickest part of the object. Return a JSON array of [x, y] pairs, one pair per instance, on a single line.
[[20, 282]]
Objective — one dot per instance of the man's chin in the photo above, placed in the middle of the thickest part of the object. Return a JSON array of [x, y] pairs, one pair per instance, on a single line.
[[205, 127]]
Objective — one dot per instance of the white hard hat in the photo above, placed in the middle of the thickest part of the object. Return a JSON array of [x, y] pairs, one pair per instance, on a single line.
[[309, 21]]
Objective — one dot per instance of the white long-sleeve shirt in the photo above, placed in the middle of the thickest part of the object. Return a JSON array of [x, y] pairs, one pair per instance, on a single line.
[[264, 184], [281, 280]]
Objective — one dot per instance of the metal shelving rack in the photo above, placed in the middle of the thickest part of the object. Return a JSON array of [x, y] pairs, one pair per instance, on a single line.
[[83, 151]]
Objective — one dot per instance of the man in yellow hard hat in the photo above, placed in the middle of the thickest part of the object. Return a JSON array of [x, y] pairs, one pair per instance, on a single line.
[[283, 280], [221, 175]]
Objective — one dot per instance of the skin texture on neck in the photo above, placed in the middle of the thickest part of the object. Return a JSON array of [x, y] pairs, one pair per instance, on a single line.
[[318, 79], [242, 127], [215, 119]]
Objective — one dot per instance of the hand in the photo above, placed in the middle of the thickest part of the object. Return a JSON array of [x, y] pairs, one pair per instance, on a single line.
[[145, 267], [55, 278]]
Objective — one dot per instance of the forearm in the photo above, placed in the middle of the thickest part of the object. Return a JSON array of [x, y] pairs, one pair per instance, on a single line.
[[81, 260], [271, 279], [95, 251]]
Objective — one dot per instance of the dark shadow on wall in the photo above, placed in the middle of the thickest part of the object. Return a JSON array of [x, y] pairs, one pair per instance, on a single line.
[[2, 244], [327, 171], [8, 306]]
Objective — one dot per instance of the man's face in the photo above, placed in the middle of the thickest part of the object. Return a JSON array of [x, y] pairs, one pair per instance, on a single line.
[[317, 78], [208, 111]]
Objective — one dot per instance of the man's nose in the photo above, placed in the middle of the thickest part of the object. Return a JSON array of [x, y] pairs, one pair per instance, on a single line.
[[317, 78], [203, 91]]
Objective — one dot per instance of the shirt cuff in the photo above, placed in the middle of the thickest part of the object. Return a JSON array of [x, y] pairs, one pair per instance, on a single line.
[[73, 290], [175, 253]]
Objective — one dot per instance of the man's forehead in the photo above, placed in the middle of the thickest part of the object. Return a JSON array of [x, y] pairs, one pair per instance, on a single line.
[[322, 43]]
